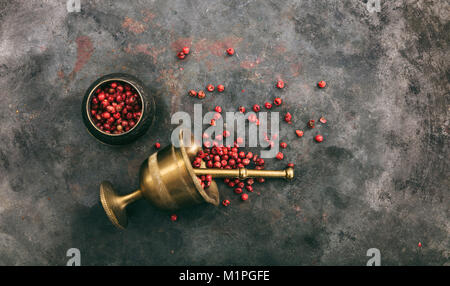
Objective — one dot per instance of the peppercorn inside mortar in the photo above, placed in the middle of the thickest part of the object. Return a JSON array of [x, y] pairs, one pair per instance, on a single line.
[[221, 157], [115, 107]]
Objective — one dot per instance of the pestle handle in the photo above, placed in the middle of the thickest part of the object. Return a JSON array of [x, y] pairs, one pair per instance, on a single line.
[[243, 173]]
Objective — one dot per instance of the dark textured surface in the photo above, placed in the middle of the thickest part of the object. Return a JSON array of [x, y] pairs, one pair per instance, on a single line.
[[379, 180]]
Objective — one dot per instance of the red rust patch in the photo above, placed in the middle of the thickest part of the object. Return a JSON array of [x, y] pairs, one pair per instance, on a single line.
[[280, 48], [250, 64], [216, 48], [180, 43], [295, 69], [61, 74], [149, 16], [85, 48], [169, 79], [133, 26], [144, 49]]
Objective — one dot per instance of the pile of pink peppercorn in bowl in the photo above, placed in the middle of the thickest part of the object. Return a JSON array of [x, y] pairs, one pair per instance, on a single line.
[[117, 109]]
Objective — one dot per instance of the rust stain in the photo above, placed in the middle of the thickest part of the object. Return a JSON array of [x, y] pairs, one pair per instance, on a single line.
[[85, 48], [250, 64], [324, 217], [169, 79], [148, 16], [61, 74], [75, 188], [146, 50], [180, 43], [295, 69], [216, 48], [133, 26], [276, 216], [280, 48], [209, 65]]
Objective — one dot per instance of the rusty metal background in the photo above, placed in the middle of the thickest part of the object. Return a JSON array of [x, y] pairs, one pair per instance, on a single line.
[[379, 179]]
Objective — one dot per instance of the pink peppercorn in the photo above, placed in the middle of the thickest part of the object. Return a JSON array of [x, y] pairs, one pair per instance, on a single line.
[[181, 55], [201, 94], [280, 156], [280, 84], [185, 50], [230, 51], [277, 101]]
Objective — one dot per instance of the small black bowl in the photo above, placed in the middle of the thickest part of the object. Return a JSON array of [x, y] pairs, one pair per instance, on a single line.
[[144, 122]]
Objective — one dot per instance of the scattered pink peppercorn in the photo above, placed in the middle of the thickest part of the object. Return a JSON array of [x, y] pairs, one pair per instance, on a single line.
[[319, 138], [210, 87], [201, 94], [230, 51], [244, 197], [157, 145], [192, 92], [280, 84], [256, 108], [181, 55], [241, 109], [280, 156], [321, 84], [226, 203], [220, 88], [299, 133], [238, 191], [173, 217], [185, 50], [218, 109], [323, 120], [277, 101], [288, 118], [283, 145], [419, 244], [311, 123], [290, 165], [268, 105]]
